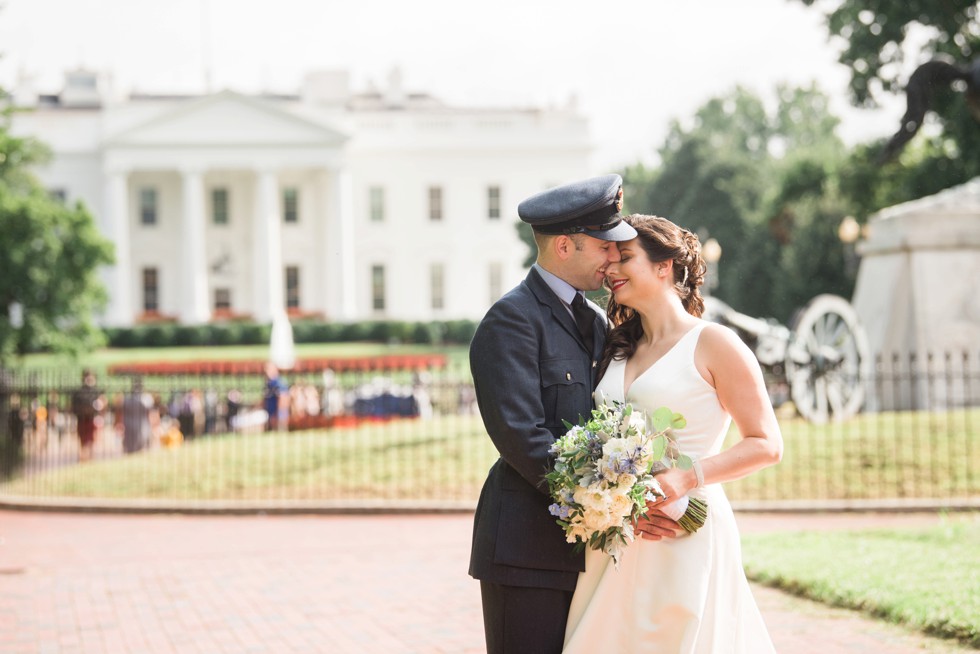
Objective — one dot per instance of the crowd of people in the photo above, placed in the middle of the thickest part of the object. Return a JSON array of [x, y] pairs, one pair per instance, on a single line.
[[138, 418]]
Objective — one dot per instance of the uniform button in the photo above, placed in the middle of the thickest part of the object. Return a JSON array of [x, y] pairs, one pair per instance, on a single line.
[[594, 364], [568, 376]]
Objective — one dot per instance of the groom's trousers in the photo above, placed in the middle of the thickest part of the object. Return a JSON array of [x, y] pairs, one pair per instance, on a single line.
[[520, 620]]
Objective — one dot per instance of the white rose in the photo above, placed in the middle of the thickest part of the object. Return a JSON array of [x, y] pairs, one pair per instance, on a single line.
[[599, 520], [613, 448], [625, 482], [621, 505], [592, 497]]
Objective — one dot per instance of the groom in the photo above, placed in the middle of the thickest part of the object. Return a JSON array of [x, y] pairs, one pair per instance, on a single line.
[[534, 359]]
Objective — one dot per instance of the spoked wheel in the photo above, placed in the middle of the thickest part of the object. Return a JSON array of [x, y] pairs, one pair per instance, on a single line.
[[827, 362]]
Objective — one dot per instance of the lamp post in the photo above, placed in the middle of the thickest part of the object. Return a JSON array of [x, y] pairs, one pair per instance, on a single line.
[[849, 231], [711, 251]]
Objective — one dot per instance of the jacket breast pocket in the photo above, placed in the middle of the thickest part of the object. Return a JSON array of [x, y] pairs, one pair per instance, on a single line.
[[565, 391]]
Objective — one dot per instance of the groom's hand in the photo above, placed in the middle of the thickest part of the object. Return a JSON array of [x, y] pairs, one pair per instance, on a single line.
[[654, 525]]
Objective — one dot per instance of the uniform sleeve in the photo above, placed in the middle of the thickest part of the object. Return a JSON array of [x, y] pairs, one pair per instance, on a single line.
[[505, 364]]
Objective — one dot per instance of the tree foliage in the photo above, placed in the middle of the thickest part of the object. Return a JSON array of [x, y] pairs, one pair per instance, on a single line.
[[875, 32], [764, 184], [50, 256], [877, 38]]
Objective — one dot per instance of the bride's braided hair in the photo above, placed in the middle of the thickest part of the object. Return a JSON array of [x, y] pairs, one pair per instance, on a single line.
[[662, 240]]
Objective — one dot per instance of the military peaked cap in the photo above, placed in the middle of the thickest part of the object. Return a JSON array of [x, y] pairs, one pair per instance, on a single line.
[[588, 207]]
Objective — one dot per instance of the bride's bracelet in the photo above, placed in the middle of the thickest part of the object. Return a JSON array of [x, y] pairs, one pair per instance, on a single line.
[[698, 472]]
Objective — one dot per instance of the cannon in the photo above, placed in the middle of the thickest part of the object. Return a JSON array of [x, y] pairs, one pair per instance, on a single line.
[[820, 362]]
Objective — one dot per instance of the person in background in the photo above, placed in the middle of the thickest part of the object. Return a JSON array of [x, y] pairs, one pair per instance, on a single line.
[[275, 399], [138, 418], [88, 404]]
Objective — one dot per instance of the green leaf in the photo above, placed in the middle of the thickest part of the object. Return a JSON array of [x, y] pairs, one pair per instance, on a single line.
[[677, 421], [662, 419], [658, 448]]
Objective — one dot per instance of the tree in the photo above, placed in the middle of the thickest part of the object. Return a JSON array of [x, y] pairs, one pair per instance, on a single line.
[[526, 235], [50, 256], [767, 185], [875, 32], [876, 37]]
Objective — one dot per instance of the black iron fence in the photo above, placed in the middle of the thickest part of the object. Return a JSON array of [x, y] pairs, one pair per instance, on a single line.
[[414, 435]]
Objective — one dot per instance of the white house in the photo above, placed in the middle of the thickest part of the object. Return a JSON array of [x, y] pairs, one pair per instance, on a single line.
[[342, 205]]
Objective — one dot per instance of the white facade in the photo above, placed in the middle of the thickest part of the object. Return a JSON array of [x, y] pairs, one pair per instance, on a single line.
[[388, 199]]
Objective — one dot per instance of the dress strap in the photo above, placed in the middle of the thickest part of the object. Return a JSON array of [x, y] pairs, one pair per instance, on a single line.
[[689, 341]]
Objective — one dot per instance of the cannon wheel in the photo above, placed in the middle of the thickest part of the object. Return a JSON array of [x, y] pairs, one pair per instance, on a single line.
[[827, 361]]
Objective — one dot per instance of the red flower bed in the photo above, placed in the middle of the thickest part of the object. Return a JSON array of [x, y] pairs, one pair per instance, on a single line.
[[257, 367]]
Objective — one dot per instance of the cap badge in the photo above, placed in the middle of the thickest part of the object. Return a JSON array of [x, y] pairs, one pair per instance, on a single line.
[[619, 200]]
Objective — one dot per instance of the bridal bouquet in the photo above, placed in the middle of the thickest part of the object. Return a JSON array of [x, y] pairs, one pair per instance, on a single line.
[[604, 475]]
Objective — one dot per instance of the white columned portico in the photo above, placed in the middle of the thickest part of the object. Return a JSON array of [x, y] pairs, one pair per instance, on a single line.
[[116, 225], [340, 244], [267, 249], [194, 268]]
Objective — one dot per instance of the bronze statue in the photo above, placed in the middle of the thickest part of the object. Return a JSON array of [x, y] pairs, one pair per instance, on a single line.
[[922, 84]]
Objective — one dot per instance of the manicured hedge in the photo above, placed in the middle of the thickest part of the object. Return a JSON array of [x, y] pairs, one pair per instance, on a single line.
[[451, 332]]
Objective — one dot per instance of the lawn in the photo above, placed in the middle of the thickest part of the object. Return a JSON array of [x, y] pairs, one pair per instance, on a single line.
[[446, 457], [872, 456], [440, 458], [927, 579]]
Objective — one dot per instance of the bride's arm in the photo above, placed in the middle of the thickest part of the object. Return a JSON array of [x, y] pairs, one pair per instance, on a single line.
[[730, 366]]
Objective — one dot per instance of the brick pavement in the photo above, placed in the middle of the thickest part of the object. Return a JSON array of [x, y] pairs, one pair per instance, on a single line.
[[273, 584]]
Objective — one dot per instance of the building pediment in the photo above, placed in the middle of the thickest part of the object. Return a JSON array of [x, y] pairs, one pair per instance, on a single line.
[[227, 119]]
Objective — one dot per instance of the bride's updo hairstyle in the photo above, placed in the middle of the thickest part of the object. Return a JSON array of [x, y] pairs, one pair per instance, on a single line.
[[662, 240]]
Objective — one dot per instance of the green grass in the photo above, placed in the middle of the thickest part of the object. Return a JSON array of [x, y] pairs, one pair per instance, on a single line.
[[927, 579], [872, 456], [441, 458], [447, 458]]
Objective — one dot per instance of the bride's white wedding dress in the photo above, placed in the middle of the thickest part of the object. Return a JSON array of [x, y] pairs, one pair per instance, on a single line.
[[687, 595]]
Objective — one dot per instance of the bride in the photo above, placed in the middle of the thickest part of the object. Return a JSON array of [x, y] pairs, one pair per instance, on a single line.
[[686, 594]]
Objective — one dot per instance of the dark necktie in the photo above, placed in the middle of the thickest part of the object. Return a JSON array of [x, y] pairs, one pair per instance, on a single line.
[[584, 318]]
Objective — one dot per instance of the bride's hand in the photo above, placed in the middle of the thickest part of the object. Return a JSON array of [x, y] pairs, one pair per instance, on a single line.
[[654, 525], [676, 483]]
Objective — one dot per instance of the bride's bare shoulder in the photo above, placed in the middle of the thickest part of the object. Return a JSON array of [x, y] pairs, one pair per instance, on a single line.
[[721, 344]]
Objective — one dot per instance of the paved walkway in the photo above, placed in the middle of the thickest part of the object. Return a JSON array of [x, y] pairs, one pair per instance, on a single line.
[[340, 584]]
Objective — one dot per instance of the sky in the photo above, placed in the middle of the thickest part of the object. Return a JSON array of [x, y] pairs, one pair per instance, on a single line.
[[631, 66]]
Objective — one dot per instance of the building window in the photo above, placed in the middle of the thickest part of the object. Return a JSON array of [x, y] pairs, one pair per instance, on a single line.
[[437, 285], [59, 195], [222, 299], [148, 206], [151, 290], [376, 199], [493, 202], [219, 206], [290, 205], [378, 287], [435, 203], [292, 287], [496, 281]]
